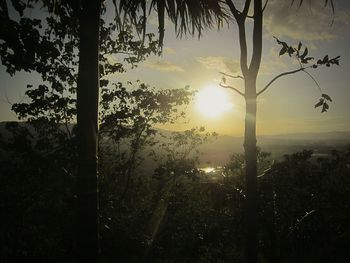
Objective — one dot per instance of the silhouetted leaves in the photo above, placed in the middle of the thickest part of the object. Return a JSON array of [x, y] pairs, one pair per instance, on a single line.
[[326, 2], [302, 56], [304, 59], [326, 97], [323, 102], [327, 61]]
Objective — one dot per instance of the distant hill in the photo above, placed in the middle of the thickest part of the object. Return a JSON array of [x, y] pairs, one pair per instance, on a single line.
[[218, 151], [311, 137]]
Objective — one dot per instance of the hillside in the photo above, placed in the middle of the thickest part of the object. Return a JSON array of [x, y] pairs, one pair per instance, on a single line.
[[218, 151]]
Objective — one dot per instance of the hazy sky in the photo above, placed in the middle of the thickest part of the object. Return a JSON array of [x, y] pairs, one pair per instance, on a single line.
[[288, 105]]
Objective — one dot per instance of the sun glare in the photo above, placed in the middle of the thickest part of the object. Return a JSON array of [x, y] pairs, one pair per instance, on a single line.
[[212, 101]]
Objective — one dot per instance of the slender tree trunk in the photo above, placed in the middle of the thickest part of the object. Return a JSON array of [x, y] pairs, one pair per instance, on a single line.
[[87, 131], [251, 205], [251, 208]]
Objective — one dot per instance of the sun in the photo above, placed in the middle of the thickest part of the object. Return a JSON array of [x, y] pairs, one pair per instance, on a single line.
[[212, 101]]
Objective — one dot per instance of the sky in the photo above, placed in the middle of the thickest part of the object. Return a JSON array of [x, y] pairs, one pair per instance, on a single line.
[[286, 107]]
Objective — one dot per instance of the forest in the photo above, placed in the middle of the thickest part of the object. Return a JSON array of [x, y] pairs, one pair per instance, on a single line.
[[89, 174]]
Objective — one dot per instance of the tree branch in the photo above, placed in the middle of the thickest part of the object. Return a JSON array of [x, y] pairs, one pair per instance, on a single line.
[[240, 19], [243, 46], [246, 8], [63, 64], [314, 80], [3, 5], [231, 76], [233, 9], [234, 89], [277, 77], [265, 5], [257, 38]]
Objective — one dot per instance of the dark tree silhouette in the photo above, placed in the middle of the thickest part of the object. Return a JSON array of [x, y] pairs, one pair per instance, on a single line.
[[87, 131], [250, 71]]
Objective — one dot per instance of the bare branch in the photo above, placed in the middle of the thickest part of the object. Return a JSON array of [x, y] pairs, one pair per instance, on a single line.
[[233, 9], [277, 77], [231, 76], [246, 8], [257, 38], [265, 5], [234, 89], [301, 221], [314, 80], [243, 46], [240, 19]]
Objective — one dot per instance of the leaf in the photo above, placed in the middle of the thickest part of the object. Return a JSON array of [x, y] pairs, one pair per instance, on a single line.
[[299, 46], [306, 60], [290, 51], [320, 103], [332, 4], [325, 107], [300, 3], [281, 42], [326, 97], [306, 51], [283, 50], [278, 41], [325, 59]]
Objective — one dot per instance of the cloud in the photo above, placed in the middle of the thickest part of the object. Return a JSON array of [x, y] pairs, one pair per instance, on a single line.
[[220, 63], [164, 65], [310, 22]]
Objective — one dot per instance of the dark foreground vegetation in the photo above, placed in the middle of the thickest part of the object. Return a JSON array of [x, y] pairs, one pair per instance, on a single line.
[[167, 210], [170, 211]]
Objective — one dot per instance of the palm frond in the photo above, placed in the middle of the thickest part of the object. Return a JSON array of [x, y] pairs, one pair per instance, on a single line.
[[188, 16]]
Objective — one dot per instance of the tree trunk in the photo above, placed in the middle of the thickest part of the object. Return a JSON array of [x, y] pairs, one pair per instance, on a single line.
[[251, 206], [87, 131]]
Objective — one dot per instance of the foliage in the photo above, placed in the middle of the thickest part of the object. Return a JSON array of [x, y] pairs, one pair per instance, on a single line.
[[305, 212], [128, 118], [304, 62], [37, 198]]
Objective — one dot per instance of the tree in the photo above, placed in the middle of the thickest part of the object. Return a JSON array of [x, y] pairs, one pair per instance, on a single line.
[[87, 13], [87, 106], [250, 72], [128, 115], [87, 131]]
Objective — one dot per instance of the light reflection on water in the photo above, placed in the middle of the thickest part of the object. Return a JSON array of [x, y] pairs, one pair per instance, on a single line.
[[213, 173], [208, 169]]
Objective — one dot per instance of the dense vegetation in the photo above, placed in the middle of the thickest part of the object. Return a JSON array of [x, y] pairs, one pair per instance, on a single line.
[[171, 212]]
